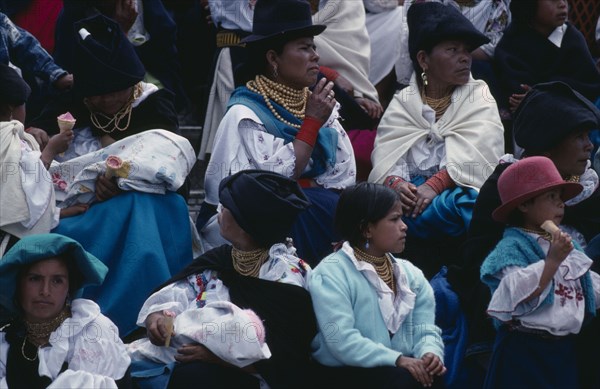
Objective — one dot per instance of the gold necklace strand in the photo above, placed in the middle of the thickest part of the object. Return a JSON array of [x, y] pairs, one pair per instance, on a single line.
[[438, 105], [292, 100], [25, 355], [543, 234], [573, 178], [40, 332], [383, 266], [248, 263], [115, 120]]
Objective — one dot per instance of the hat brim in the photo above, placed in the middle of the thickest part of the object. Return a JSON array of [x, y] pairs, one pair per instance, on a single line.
[[570, 190], [313, 30], [35, 248]]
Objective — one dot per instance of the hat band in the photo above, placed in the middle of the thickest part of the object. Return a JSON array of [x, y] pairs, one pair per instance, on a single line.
[[267, 28]]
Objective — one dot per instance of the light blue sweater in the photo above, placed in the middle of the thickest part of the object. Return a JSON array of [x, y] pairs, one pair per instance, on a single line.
[[352, 331]]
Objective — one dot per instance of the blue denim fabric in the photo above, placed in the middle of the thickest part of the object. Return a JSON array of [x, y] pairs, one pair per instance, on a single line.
[[23, 50]]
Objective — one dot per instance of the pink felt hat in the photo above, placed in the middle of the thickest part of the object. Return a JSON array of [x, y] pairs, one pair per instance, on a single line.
[[526, 179]]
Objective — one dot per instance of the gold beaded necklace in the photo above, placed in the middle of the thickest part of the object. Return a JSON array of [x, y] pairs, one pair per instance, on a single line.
[[114, 122], [248, 263], [39, 333], [293, 100], [383, 266], [438, 105], [543, 234], [573, 178]]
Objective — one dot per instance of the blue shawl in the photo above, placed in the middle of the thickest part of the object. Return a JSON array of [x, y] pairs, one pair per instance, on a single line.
[[324, 152]]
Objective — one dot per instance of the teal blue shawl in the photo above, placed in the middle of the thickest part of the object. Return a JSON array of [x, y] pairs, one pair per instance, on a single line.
[[325, 149]]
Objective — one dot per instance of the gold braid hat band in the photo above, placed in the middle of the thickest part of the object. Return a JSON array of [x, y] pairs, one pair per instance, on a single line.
[[248, 263], [383, 266], [293, 100], [114, 122]]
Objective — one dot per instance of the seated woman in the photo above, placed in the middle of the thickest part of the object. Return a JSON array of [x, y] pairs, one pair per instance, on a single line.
[[136, 224], [55, 339], [261, 273], [375, 312], [275, 123], [540, 45], [441, 136], [553, 121], [25, 182]]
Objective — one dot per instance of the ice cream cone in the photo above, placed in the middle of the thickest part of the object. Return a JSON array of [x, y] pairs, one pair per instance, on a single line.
[[66, 122], [113, 164], [549, 226]]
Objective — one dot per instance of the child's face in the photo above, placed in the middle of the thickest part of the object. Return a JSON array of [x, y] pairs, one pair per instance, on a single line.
[[551, 13], [388, 235], [547, 206]]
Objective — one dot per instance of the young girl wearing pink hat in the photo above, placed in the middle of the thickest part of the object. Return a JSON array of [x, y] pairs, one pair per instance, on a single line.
[[542, 288]]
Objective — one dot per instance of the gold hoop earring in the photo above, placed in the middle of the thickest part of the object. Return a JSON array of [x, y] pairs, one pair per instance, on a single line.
[[424, 78]]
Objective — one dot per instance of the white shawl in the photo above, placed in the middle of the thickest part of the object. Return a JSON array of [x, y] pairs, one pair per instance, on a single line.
[[344, 46], [470, 127], [27, 204]]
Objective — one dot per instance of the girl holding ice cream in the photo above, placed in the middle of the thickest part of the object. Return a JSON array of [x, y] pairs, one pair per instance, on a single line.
[[542, 289]]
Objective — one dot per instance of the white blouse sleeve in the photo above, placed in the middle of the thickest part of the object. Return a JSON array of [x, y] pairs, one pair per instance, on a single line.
[[99, 357], [173, 297], [82, 379], [516, 285], [265, 151]]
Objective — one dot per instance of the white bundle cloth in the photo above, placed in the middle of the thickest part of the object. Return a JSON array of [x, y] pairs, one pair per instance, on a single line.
[[155, 161]]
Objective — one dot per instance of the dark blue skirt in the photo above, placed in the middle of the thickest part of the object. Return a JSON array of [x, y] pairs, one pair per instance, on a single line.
[[142, 238], [313, 232], [523, 360]]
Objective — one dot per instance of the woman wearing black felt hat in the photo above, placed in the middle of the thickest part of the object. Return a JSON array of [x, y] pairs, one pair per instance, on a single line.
[[276, 123], [136, 221], [553, 121], [258, 271], [440, 136]]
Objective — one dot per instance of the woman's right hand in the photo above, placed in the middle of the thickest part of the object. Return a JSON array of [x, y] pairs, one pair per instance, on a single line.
[[408, 195], [416, 368], [156, 328], [106, 188], [321, 101]]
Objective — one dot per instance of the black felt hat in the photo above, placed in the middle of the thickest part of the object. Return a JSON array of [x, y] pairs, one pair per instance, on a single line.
[[549, 113], [105, 60], [264, 204], [430, 23], [274, 18], [13, 89]]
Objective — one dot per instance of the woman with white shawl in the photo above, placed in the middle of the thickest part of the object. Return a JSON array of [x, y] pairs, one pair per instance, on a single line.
[[441, 136]]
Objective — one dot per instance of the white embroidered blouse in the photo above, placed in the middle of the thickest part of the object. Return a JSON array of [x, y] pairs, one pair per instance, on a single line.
[[88, 342], [565, 315], [243, 143]]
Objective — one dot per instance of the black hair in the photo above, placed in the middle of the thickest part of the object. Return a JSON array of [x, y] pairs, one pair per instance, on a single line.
[[523, 11], [360, 205], [256, 59], [516, 218]]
